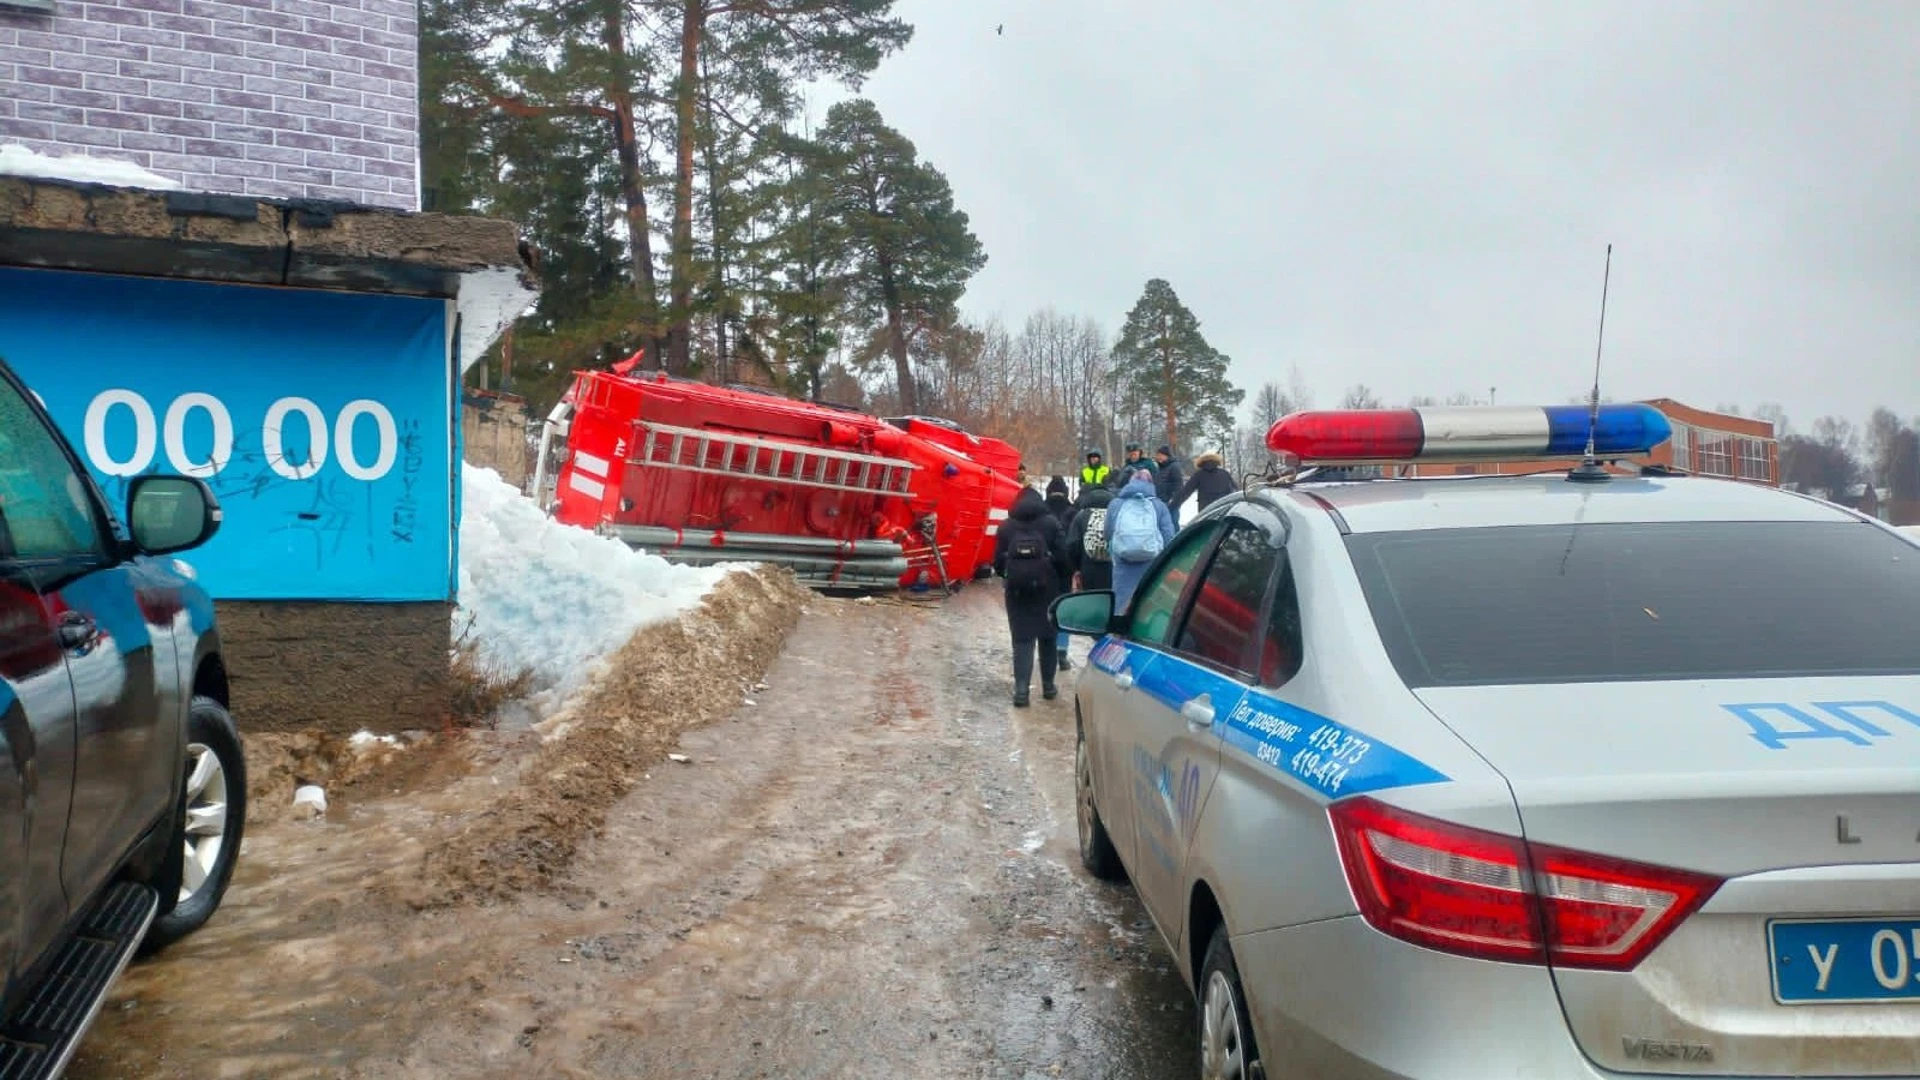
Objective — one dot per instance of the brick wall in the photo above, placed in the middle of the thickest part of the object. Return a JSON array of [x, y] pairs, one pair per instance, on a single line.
[[283, 98], [336, 667]]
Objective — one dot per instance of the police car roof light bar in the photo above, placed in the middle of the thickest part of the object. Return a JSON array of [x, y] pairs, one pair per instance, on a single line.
[[1478, 433]]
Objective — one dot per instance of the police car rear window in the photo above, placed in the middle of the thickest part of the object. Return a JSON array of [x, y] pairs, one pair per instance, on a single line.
[[1618, 602]]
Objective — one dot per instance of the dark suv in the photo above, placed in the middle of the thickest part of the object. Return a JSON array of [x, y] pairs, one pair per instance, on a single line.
[[122, 785]]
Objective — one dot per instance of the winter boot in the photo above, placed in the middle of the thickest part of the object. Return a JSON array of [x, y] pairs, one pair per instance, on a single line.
[[1020, 698], [1049, 691], [1065, 664]]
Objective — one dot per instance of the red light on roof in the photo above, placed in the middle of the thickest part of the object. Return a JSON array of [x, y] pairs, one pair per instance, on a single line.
[[1349, 435]]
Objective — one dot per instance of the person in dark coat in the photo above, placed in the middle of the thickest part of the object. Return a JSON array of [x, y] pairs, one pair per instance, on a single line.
[[1059, 502], [1062, 508], [1168, 477], [1136, 460], [1210, 481], [1030, 555]]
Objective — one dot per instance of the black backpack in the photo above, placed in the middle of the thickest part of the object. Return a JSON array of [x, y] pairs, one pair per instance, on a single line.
[[1029, 571]]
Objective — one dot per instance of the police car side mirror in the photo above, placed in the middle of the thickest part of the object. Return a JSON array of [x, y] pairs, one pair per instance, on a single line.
[[1089, 613]]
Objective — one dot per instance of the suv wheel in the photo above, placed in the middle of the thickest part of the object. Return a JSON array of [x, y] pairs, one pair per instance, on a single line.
[[1096, 847], [1227, 1049], [212, 823]]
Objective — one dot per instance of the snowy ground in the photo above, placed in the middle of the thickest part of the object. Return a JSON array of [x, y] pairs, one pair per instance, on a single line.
[[553, 598]]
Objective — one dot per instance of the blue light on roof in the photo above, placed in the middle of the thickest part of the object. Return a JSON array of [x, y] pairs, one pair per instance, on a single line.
[[1620, 430]]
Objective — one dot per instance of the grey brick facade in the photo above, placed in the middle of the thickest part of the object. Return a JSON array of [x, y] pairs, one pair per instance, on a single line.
[[287, 98]]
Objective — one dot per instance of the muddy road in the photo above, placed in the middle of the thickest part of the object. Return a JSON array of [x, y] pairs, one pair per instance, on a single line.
[[867, 870]]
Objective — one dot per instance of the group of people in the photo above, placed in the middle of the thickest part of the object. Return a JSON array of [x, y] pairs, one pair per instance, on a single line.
[[1054, 544]]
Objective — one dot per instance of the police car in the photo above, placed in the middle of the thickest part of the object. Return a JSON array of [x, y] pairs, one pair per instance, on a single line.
[[1547, 776]]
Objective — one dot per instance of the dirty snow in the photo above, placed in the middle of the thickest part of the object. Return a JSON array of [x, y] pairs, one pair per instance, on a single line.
[[553, 598], [17, 160]]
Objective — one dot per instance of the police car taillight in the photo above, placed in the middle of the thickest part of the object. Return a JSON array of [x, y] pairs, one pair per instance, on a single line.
[[1473, 433], [1496, 897]]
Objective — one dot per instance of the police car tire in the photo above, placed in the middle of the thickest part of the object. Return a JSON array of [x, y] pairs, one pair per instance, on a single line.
[[1219, 958], [1097, 852]]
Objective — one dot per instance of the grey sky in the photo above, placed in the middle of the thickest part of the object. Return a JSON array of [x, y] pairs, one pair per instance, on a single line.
[[1418, 196]]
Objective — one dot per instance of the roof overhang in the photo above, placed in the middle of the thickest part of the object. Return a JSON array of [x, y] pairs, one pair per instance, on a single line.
[[480, 263]]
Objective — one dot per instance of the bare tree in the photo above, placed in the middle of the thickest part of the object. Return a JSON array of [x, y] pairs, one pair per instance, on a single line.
[[1773, 414], [1359, 397], [1882, 443]]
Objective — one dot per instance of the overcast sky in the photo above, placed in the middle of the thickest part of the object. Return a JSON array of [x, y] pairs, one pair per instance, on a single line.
[[1418, 196]]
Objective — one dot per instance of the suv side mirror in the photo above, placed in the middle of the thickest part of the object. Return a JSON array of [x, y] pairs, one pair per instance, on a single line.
[[1089, 613], [166, 514]]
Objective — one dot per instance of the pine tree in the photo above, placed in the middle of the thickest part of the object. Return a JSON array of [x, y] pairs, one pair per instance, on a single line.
[[782, 44], [910, 251], [1166, 367]]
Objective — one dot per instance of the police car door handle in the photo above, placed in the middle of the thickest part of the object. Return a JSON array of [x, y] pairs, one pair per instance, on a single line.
[[1123, 680], [1199, 712]]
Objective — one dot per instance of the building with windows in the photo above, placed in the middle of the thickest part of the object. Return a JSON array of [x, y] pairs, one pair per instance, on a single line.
[[1718, 444], [1704, 443]]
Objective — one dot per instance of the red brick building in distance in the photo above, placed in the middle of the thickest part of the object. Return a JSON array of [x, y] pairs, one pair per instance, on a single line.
[[1704, 444]]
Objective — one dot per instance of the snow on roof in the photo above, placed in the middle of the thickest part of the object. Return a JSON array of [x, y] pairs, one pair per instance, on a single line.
[[17, 160], [490, 300]]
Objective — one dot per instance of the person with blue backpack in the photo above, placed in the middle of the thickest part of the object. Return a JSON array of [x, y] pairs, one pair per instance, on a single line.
[[1139, 527]]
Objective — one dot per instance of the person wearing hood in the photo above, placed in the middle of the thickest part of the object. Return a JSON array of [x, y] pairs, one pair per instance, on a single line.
[[1059, 502], [1210, 481], [1095, 472], [1138, 528], [1030, 555], [1062, 509]]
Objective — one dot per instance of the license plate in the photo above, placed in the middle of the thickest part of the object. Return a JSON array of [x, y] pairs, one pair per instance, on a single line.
[[1845, 961]]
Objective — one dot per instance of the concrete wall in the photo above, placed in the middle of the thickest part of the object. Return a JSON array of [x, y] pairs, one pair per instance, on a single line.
[[493, 433], [283, 98], [337, 667]]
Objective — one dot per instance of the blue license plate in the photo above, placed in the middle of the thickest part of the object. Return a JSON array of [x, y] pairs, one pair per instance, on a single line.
[[1845, 961]]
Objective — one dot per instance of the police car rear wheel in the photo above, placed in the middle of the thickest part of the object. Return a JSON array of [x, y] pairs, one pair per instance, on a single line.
[[1096, 847], [1227, 1048]]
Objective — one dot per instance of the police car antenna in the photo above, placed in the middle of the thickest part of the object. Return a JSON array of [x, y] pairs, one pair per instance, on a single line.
[[1589, 469]]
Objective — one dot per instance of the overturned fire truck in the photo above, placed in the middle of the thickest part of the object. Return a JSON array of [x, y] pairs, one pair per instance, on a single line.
[[706, 474]]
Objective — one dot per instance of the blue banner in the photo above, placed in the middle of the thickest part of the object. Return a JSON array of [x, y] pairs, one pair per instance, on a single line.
[[322, 420]]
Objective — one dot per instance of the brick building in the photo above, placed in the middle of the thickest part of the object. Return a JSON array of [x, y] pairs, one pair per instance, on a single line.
[[1704, 443], [276, 98]]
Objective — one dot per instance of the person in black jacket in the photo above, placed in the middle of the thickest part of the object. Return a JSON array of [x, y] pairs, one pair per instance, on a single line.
[[1168, 477], [1059, 503], [1062, 508], [1030, 555], [1210, 481]]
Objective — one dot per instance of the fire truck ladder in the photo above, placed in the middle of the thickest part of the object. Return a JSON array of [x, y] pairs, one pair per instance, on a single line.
[[724, 454]]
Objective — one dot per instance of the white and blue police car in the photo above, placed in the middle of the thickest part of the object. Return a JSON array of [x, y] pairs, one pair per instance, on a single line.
[[1566, 775]]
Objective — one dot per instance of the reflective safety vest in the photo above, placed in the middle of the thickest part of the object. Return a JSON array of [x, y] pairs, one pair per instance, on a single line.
[[1093, 476]]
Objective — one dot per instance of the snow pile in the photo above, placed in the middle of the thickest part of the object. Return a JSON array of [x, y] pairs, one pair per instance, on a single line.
[[553, 598], [19, 161]]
